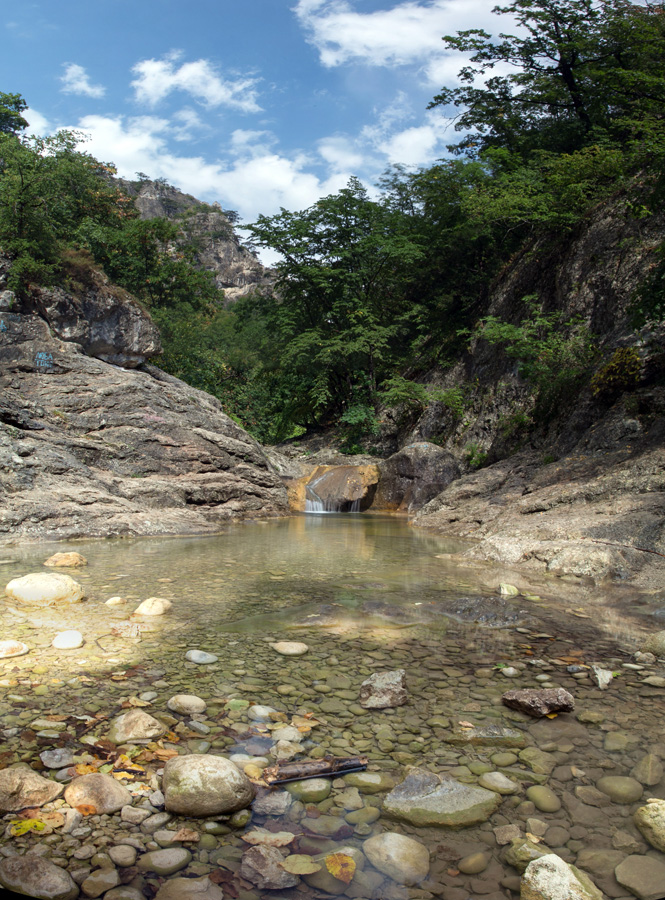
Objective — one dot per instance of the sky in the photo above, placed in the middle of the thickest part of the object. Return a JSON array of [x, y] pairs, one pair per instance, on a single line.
[[255, 104]]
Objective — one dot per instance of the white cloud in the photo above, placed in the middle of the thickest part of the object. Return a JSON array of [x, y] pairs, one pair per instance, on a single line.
[[341, 154], [37, 123], [245, 142], [188, 125], [76, 81], [157, 78], [408, 33]]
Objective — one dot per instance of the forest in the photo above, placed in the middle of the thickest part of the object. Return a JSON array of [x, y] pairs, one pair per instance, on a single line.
[[377, 288]]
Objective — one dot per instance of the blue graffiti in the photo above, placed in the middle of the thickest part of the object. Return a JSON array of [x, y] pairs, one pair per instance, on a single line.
[[3, 327], [43, 360]]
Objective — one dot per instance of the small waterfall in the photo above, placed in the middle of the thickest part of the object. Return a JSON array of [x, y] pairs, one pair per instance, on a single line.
[[314, 503]]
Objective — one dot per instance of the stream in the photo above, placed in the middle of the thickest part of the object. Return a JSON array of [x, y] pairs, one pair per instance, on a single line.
[[366, 594]]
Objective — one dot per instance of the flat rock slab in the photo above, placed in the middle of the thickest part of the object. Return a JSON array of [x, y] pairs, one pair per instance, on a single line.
[[21, 787], [644, 876], [539, 703], [487, 736], [384, 690], [37, 878], [424, 798]]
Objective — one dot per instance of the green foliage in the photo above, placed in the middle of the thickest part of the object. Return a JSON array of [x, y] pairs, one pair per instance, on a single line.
[[475, 457], [621, 373], [515, 423], [399, 391], [552, 354], [11, 107]]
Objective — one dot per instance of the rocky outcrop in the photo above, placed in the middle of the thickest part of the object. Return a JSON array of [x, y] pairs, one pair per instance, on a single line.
[[413, 476], [89, 448]]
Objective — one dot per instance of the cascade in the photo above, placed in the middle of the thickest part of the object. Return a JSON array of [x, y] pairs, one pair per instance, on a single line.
[[337, 489]]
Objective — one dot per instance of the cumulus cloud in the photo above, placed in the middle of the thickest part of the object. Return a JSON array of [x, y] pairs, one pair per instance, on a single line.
[[157, 78], [341, 154], [76, 81], [37, 123]]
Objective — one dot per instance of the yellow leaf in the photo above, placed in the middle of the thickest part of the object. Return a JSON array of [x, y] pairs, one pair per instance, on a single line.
[[22, 826], [300, 864], [85, 769], [551, 715], [340, 866], [87, 809]]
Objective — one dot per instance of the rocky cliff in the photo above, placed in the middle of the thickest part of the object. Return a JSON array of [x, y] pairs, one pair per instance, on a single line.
[[218, 250], [95, 441]]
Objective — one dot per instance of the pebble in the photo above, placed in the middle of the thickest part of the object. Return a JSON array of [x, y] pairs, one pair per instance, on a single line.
[[67, 640], [290, 648], [201, 658], [186, 704]]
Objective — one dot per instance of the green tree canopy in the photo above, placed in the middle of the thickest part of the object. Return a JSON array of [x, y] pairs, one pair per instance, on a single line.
[[11, 107]]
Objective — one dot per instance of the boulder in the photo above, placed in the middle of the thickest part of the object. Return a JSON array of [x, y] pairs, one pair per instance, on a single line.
[[401, 858], [38, 878], [196, 785], [655, 644], [650, 820], [384, 690], [189, 889], [539, 703], [102, 792], [550, 878], [186, 704], [135, 725], [42, 589], [70, 560], [341, 488], [424, 798], [22, 787], [153, 606], [262, 866], [413, 476]]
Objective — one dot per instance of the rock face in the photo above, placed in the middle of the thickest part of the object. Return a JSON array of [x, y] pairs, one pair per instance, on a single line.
[[341, 488], [205, 786], [21, 787], [383, 690], [550, 878], [92, 449], [414, 475], [40, 589], [38, 878], [424, 798], [539, 703]]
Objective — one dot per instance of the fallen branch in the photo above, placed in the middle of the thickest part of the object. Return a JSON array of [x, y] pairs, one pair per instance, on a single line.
[[314, 768], [625, 546]]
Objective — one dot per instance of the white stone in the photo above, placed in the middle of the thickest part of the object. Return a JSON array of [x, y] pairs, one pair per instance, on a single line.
[[12, 648], [135, 725], [153, 606], [290, 648], [67, 640], [44, 589], [401, 858], [259, 713], [550, 878], [200, 657], [116, 601], [497, 782], [186, 704]]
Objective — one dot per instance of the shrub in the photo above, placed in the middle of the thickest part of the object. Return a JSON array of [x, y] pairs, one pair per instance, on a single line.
[[620, 374]]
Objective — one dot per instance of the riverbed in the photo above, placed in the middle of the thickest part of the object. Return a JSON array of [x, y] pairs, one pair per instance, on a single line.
[[366, 594]]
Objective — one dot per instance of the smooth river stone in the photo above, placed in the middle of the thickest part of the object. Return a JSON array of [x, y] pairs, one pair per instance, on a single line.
[[100, 791], [186, 704], [153, 606], [650, 820], [310, 790], [290, 648], [41, 589], [165, 862], [424, 798], [37, 877], [497, 782], [200, 657], [187, 889], [67, 640], [13, 648], [370, 782], [620, 788], [401, 858], [204, 785], [543, 798]]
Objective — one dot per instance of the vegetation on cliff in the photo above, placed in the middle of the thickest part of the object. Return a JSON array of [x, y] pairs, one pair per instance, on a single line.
[[374, 292]]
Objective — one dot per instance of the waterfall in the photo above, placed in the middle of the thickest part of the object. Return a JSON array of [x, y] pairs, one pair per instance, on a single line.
[[314, 503]]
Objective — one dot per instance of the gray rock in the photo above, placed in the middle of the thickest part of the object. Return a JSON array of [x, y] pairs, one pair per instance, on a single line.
[[644, 876], [200, 657], [58, 758], [205, 785], [186, 704], [620, 788], [261, 866], [38, 878], [550, 878], [21, 787], [102, 792], [383, 690], [424, 798], [100, 881], [539, 703], [134, 725], [188, 889], [401, 858], [414, 475], [164, 862]]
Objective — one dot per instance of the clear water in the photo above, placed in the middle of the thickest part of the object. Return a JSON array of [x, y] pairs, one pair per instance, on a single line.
[[366, 593]]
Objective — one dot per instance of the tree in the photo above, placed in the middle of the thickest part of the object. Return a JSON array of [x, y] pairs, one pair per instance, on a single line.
[[11, 107], [580, 68]]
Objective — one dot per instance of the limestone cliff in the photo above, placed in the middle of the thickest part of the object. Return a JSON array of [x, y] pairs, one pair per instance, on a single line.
[[94, 441]]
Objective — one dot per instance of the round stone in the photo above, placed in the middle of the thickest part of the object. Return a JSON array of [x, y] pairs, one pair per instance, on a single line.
[[12, 648], [310, 790], [69, 560], [290, 648], [101, 792], [186, 704], [135, 725], [401, 858], [543, 798], [123, 855], [620, 788], [473, 864], [497, 782], [153, 606], [200, 657], [201, 785], [67, 640], [165, 862], [41, 589], [38, 878], [259, 713]]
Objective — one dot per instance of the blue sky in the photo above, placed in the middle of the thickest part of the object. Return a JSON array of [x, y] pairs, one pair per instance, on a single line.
[[255, 104]]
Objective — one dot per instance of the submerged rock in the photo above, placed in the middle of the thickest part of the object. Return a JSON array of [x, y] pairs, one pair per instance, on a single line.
[[189, 889], [186, 704], [135, 725], [38, 878], [153, 606], [21, 787], [487, 736], [101, 792], [42, 589], [384, 690], [550, 878], [13, 648], [650, 820], [196, 785], [69, 560], [401, 858], [655, 644], [644, 876], [67, 640], [201, 658], [262, 866], [539, 703], [290, 648], [424, 798]]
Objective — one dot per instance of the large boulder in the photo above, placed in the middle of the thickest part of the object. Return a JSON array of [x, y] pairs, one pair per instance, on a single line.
[[196, 785], [38, 878], [22, 787], [424, 798], [414, 475], [550, 878], [401, 858], [44, 589], [341, 488]]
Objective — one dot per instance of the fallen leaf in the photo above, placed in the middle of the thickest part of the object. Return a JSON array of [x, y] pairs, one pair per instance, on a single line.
[[186, 834], [163, 753], [19, 827], [340, 866], [87, 809], [551, 715], [268, 838], [533, 838], [299, 864], [85, 769]]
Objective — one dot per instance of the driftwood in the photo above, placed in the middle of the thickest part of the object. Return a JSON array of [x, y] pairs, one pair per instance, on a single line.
[[298, 770]]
